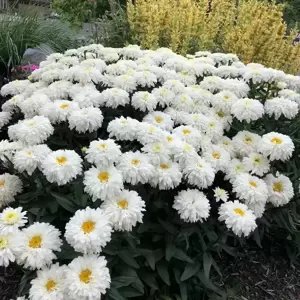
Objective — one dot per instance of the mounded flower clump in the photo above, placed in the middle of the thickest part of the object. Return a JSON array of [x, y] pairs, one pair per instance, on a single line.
[[118, 120]]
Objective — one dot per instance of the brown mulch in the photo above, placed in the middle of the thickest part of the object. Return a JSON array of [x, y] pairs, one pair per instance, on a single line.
[[9, 282], [258, 276]]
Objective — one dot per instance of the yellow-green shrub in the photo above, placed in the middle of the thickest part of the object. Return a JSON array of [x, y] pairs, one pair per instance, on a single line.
[[253, 30]]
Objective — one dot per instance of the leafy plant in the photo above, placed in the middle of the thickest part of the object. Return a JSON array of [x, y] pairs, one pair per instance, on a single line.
[[172, 252]]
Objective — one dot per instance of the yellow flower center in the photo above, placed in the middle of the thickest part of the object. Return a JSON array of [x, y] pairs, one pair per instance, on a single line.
[[3, 242], [226, 97], [124, 122], [158, 119], [156, 147], [211, 125], [88, 226], [63, 106], [145, 97], [253, 184], [257, 160], [50, 285], [61, 160], [164, 166], [216, 155], [14, 99], [103, 176], [183, 99], [135, 162], [35, 242], [170, 139], [226, 143], [31, 124], [247, 139], [29, 153], [102, 146], [2, 183], [186, 131], [187, 147], [239, 211], [10, 217], [123, 204], [220, 114], [276, 141], [85, 276], [277, 187]]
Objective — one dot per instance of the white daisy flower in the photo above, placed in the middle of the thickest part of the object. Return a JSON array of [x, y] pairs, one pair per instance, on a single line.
[[123, 128], [6, 250], [199, 173], [59, 110], [87, 119], [10, 186], [237, 217], [280, 189], [4, 118], [174, 85], [136, 167], [12, 105], [223, 101], [59, 89], [189, 135], [163, 96], [14, 87], [30, 158], [34, 246], [31, 131], [276, 146], [234, 168], [88, 231], [167, 175], [157, 152], [86, 96], [281, 106], [49, 284], [192, 206], [212, 83], [250, 188], [62, 166], [184, 153], [145, 79], [125, 82], [247, 110], [218, 157], [125, 210], [114, 97], [144, 101], [160, 120], [258, 208], [246, 142], [87, 278], [102, 183], [11, 219], [220, 194], [103, 152], [147, 133], [256, 164], [85, 74]]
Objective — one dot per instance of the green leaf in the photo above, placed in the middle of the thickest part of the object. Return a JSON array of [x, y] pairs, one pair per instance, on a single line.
[[170, 250], [64, 201], [179, 254], [122, 281], [149, 279], [168, 226], [130, 292], [183, 291], [207, 262], [126, 256], [207, 282], [189, 271], [162, 270], [113, 293], [150, 257]]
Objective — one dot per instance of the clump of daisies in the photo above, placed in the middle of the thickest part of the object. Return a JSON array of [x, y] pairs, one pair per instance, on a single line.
[[124, 126]]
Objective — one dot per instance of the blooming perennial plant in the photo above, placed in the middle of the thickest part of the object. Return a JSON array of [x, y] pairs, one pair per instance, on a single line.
[[111, 138]]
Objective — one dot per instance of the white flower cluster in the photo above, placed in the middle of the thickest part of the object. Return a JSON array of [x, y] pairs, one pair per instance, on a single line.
[[185, 108]]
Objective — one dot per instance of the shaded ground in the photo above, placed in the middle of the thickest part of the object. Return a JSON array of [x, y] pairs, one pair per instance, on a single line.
[[9, 283], [258, 276]]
